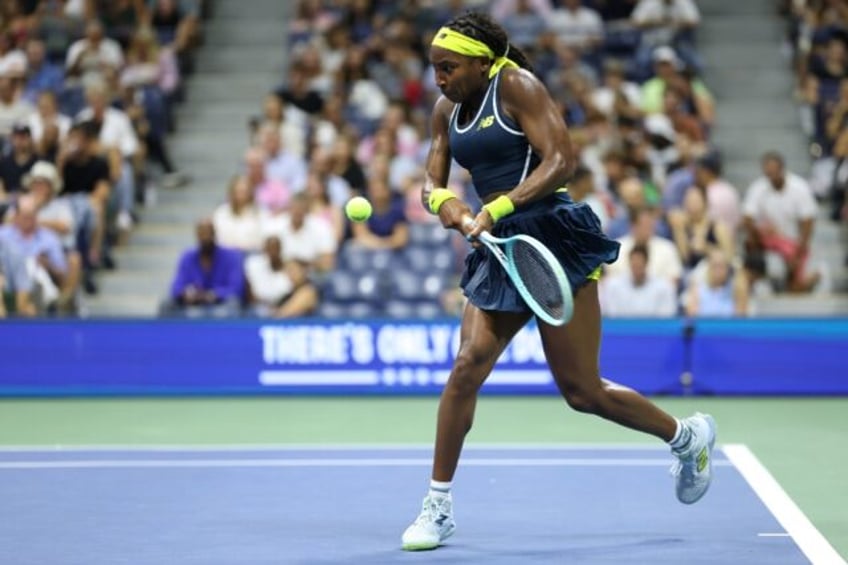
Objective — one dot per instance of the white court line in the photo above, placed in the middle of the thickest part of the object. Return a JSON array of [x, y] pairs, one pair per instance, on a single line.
[[811, 542], [47, 448], [329, 462], [774, 535]]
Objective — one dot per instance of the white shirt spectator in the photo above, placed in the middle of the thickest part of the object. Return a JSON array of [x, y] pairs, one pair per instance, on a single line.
[[677, 11], [604, 97], [60, 210], [576, 28], [368, 99], [267, 285], [17, 111], [314, 239], [116, 131], [780, 209], [36, 125], [655, 298], [238, 231], [663, 259], [108, 52]]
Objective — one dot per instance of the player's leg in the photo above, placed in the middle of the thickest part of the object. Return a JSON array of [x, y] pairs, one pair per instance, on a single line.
[[483, 337], [572, 352]]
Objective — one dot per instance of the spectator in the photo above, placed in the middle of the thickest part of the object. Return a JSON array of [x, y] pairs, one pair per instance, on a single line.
[[617, 96], [695, 233], [667, 73], [42, 74], [321, 206], [723, 203], [581, 187], [576, 25], [118, 142], [779, 215], [15, 282], [663, 259], [13, 108], [238, 222], [666, 22], [525, 23], [17, 163], [721, 293], [306, 237], [271, 194], [387, 228], [281, 164], [91, 57], [42, 251], [49, 128], [209, 281], [323, 165], [87, 183], [278, 288], [637, 293]]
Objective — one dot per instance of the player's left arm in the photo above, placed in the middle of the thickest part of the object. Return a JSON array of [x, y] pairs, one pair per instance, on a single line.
[[526, 100]]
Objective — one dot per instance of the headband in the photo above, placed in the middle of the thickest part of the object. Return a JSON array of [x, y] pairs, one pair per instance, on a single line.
[[457, 42]]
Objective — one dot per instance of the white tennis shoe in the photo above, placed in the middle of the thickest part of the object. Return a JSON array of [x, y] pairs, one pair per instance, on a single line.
[[433, 526], [694, 466]]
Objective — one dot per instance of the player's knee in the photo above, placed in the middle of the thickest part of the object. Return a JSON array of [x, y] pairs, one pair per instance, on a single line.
[[587, 400], [468, 373]]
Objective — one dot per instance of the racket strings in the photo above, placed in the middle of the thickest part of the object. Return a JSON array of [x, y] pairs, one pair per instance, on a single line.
[[539, 278]]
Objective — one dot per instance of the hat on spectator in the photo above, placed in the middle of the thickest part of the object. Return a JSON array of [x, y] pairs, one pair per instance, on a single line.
[[44, 170], [666, 54], [661, 126], [21, 127]]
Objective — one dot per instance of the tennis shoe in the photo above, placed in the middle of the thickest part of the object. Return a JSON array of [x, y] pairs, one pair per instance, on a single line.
[[433, 526], [694, 466]]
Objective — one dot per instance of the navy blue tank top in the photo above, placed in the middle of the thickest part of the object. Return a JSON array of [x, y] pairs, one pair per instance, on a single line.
[[491, 146]]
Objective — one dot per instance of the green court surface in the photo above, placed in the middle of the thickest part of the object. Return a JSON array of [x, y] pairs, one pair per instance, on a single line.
[[801, 441]]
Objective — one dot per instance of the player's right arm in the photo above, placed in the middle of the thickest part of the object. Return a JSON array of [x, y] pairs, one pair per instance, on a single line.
[[437, 168]]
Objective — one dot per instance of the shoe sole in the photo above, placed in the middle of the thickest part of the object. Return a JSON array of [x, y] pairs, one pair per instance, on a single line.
[[428, 546], [713, 432]]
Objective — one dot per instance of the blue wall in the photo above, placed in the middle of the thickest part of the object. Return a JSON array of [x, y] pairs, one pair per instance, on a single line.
[[382, 357]]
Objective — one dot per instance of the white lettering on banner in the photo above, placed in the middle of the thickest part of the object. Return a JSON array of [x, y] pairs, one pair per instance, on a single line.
[[362, 343], [314, 344], [413, 344]]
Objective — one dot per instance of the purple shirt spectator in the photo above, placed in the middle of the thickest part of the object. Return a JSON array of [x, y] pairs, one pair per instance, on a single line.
[[225, 276]]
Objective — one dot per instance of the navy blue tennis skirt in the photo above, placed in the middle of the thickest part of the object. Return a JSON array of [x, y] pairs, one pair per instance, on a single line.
[[569, 229]]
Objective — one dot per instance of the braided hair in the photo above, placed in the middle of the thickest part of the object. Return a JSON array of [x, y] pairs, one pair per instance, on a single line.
[[482, 27]]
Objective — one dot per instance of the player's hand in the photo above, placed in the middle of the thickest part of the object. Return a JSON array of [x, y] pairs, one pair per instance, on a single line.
[[452, 212]]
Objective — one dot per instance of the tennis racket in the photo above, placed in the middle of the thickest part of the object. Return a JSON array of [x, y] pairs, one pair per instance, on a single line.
[[536, 274]]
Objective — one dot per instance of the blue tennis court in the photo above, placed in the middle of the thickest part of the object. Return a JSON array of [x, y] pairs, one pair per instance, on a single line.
[[350, 504]]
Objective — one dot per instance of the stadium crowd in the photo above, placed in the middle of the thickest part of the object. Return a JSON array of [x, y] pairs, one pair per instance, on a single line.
[[350, 117], [87, 92]]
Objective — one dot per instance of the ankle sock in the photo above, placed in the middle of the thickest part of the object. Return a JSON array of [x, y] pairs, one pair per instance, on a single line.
[[440, 488], [682, 437]]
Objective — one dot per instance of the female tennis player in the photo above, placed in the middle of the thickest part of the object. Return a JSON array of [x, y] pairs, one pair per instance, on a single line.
[[499, 122]]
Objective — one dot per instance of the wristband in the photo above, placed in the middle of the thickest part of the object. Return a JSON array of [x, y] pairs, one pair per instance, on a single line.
[[439, 196], [500, 207]]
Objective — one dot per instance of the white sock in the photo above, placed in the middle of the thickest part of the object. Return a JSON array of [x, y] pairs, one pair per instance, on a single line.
[[440, 488], [681, 438]]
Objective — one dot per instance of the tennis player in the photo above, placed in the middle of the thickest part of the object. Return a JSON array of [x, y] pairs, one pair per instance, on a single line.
[[497, 120]]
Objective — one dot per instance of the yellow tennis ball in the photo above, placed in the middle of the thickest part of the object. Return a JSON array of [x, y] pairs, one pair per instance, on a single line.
[[358, 209]]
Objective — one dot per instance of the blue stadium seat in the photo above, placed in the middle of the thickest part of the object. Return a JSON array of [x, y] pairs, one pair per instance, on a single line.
[[341, 286], [364, 310], [332, 310], [428, 310], [354, 258], [400, 309], [427, 259], [428, 234]]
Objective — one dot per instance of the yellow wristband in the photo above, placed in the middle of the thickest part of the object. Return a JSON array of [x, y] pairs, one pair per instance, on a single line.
[[439, 196], [500, 207]]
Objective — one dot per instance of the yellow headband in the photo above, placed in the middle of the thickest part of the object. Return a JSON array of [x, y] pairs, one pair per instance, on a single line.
[[451, 40]]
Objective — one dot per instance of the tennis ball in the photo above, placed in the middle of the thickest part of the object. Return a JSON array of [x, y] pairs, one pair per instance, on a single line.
[[358, 209]]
